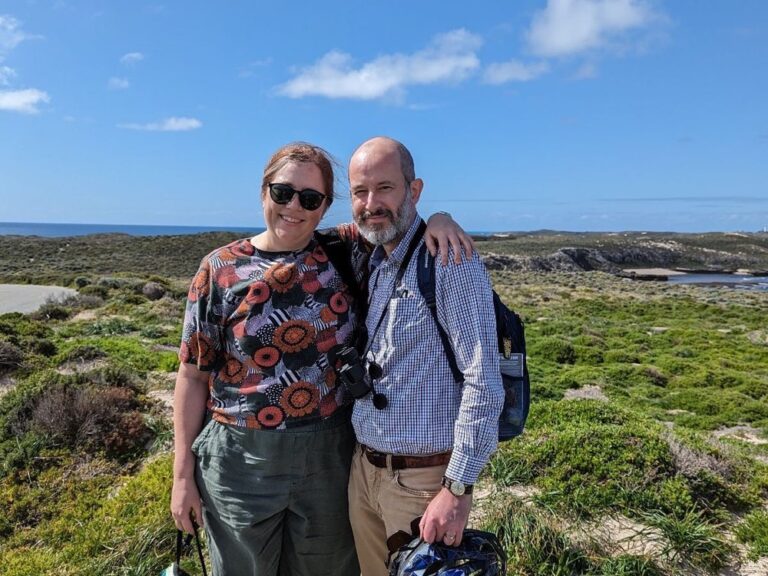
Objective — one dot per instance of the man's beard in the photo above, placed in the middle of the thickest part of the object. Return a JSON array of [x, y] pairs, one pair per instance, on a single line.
[[386, 233]]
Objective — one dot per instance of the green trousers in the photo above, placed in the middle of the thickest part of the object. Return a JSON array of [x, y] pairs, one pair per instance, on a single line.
[[275, 502]]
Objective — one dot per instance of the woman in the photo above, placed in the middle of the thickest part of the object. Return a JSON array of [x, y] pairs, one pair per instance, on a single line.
[[262, 427]]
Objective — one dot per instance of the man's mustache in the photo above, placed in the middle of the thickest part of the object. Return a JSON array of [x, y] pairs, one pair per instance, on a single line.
[[381, 212]]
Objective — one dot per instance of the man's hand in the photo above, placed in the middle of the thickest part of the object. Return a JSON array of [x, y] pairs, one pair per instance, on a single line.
[[185, 504], [445, 518], [444, 233]]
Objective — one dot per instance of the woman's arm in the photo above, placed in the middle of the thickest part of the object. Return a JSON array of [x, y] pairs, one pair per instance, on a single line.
[[442, 233], [189, 406]]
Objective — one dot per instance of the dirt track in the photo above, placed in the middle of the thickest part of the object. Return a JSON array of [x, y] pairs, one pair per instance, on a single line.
[[28, 297]]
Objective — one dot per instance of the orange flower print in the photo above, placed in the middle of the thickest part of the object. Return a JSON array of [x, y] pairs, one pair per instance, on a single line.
[[327, 315], [319, 254], [266, 357], [299, 399], [328, 405], [270, 416], [200, 346], [310, 283], [227, 277], [226, 255], [200, 285], [330, 378], [339, 303], [326, 339], [258, 293], [232, 372], [293, 335], [281, 277]]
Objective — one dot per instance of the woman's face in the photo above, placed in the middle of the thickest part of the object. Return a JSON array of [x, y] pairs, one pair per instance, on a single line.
[[289, 226]]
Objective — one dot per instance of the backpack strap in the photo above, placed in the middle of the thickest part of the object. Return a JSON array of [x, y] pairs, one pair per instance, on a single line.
[[340, 255], [425, 274]]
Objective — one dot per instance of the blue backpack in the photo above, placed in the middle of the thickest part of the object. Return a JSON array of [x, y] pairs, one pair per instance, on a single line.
[[510, 334]]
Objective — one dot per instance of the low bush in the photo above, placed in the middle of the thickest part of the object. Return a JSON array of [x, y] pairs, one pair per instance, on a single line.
[[552, 349], [11, 357], [93, 290], [51, 311], [533, 542], [753, 532]]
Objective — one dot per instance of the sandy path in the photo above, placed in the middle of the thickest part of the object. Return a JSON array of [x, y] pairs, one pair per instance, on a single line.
[[28, 297]]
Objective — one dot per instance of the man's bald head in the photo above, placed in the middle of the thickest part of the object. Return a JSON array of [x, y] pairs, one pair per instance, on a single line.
[[385, 145]]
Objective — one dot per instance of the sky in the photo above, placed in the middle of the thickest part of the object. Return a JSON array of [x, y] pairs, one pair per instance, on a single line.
[[580, 115]]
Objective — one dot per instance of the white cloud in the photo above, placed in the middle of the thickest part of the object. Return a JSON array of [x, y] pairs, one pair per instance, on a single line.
[[513, 71], [449, 57], [24, 101], [6, 73], [131, 58], [567, 27], [118, 83], [172, 124], [11, 34]]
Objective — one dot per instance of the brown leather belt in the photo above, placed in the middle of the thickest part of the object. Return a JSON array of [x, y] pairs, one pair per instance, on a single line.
[[397, 462]]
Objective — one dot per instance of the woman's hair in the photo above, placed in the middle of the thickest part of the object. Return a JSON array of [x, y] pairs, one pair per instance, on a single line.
[[301, 152]]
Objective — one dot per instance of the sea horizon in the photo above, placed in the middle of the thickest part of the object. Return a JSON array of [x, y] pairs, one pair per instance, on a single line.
[[67, 229]]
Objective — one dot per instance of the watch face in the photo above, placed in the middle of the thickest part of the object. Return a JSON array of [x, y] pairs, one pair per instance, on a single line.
[[457, 488]]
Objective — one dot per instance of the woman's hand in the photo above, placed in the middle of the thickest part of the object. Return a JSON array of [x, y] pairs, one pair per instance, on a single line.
[[186, 505], [444, 233]]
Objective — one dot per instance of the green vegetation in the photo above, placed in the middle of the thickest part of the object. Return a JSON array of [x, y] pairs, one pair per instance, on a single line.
[[645, 452]]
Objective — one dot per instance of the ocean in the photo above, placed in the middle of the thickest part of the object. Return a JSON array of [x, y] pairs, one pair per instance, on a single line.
[[63, 230]]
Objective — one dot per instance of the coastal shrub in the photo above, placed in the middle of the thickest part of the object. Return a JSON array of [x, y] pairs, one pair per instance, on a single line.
[[11, 357], [578, 377], [629, 375], [626, 565], [83, 353], [110, 327], [691, 540], [533, 541], [94, 290], [42, 346], [754, 388], [81, 282], [621, 356], [129, 532], [710, 408], [753, 532], [124, 351], [51, 311], [152, 332], [588, 456], [553, 349], [710, 377], [588, 355]]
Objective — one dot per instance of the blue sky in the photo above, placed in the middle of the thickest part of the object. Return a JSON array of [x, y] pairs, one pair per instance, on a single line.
[[561, 114]]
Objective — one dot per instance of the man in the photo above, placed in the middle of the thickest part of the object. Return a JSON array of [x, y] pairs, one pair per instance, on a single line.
[[423, 438]]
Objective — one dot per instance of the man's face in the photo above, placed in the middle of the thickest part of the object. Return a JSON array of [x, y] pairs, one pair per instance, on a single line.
[[383, 205]]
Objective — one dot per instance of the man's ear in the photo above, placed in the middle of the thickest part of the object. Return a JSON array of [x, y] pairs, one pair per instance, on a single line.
[[416, 187]]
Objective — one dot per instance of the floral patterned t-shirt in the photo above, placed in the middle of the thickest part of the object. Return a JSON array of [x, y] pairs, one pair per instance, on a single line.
[[267, 326]]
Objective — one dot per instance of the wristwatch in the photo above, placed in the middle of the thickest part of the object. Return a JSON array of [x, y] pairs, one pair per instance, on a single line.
[[456, 487]]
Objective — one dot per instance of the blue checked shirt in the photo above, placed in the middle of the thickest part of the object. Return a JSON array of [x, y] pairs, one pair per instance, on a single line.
[[428, 412]]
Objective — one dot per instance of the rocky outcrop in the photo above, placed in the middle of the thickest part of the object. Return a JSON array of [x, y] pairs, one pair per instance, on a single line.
[[563, 260]]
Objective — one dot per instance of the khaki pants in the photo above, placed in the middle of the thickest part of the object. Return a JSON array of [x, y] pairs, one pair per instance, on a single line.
[[383, 501]]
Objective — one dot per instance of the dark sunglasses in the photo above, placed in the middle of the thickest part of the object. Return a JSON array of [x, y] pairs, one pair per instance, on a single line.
[[308, 198]]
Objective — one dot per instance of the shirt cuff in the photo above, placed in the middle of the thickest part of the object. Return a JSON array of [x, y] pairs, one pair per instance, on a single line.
[[464, 468]]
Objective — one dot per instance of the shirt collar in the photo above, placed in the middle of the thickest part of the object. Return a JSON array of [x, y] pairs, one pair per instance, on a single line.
[[379, 255]]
